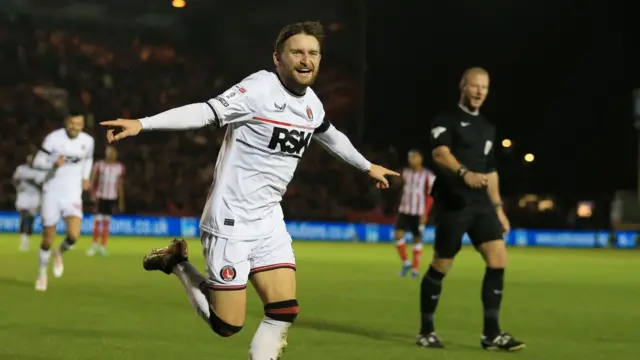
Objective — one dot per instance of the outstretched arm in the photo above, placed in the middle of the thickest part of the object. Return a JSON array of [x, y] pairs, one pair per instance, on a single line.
[[190, 116], [234, 105], [338, 144]]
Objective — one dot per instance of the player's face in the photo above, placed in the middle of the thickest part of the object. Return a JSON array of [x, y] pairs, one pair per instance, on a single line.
[[74, 125], [299, 62], [415, 160], [476, 90], [110, 153]]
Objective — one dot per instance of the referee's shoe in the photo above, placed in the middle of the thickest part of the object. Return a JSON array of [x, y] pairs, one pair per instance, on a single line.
[[502, 341]]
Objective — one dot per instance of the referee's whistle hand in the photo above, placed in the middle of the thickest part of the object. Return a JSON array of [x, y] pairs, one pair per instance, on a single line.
[[475, 180]]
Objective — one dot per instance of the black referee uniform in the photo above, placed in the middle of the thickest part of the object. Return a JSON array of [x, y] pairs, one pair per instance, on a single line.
[[457, 207]]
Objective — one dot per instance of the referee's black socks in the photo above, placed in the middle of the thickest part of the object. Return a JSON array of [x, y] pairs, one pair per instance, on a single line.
[[492, 286], [430, 290]]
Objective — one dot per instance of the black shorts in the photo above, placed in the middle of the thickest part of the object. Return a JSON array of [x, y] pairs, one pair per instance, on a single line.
[[409, 223], [105, 207], [481, 224]]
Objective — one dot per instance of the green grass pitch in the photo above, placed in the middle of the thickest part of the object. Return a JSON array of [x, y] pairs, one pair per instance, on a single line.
[[567, 304]]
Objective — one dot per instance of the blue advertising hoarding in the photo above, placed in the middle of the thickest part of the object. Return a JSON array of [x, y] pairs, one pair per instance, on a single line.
[[188, 227]]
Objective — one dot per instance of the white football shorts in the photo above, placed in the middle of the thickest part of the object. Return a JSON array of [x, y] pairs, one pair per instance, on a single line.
[[230, 264], [56, 206], [28, 202]]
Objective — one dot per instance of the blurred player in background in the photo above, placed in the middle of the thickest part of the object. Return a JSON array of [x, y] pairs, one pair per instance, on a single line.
[[271, 118], [28, 182], [107, 180], [68, 152], [412, 213]]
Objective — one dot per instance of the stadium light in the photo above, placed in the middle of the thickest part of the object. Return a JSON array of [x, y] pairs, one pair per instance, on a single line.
[[584, 209], [179, 4], [506, 143], [529, 158]]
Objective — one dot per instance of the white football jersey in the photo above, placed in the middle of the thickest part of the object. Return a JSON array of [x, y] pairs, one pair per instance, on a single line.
[[269, 128], [78, 154], [25, 175]]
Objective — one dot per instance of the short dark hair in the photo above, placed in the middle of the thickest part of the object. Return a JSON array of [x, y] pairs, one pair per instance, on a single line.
[[72, 112], [312, 28]]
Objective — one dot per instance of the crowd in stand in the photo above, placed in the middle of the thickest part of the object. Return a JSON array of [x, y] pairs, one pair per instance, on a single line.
[[107, 75]]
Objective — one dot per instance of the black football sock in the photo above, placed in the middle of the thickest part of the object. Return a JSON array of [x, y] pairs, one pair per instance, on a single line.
[[492, 287], [67, 244], [430, 290]]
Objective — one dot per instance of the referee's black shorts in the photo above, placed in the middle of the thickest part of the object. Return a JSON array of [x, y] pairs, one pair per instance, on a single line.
[[480, 223]]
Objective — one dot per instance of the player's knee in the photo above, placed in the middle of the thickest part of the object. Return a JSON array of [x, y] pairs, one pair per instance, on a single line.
[[495, 254], [222, 327], [442, 265], [285, 311], [398, 235], [70, 240]]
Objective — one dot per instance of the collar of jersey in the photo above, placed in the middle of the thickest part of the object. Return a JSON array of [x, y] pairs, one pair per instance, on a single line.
[[463, 108], [287, 89]]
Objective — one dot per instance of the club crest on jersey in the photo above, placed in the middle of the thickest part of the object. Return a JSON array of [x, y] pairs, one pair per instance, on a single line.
[[228, 273], [309, 113]]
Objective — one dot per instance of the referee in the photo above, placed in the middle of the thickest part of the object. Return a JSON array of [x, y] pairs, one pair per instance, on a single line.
[[467, 200]]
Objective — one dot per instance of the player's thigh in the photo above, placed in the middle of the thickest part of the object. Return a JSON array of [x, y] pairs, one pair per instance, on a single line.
[[450, 228], [105, 208], [74, 226], [72, 213], [51, 211], [227, 268], [401, 227], [485, 227], [414, 228], [273, 268], [486, 235]]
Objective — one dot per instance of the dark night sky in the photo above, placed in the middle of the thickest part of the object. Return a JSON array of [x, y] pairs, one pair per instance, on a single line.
[[559, 87]]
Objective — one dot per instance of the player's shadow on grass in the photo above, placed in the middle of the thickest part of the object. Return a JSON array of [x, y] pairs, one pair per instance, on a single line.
[[16, 283], [378, 335], [403, 338]]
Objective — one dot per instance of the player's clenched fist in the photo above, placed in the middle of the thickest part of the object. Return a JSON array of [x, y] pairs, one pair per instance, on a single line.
[[127, 127]]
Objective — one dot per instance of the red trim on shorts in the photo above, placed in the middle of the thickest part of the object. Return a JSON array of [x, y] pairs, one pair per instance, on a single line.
[[272, 267], [224, 287]]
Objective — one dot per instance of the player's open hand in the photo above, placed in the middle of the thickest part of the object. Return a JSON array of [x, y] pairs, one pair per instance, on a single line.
[[122, 128], [475, 180], [379, 174]]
